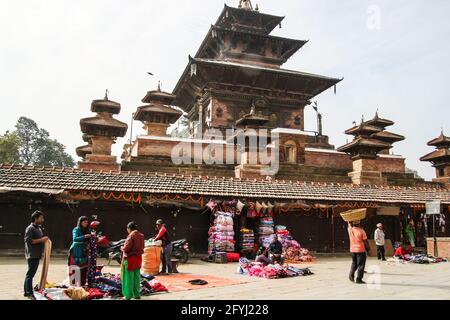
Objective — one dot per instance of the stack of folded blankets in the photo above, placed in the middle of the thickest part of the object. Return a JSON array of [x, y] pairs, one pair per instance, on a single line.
[[247, 240], [265, 231], [221, 234], [291, 248]]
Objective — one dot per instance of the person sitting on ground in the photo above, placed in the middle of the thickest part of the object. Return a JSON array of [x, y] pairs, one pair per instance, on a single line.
[[276, 251], [403, 252], [263, 256]]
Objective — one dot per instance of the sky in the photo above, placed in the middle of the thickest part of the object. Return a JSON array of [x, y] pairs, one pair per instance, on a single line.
[[56, 56]]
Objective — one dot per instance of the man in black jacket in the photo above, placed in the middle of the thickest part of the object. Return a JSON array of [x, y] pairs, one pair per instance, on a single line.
[[276, 250], [34, 247]]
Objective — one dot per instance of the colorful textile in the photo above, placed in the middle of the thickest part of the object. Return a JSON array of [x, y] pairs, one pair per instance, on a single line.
[[157, 286], [131, 282], [92, 260], [221, 234], [256, 269]]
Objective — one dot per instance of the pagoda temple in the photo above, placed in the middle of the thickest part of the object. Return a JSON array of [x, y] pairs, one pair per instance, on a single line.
[[101, 132], [440, 158], [370, 140], [235, 81]]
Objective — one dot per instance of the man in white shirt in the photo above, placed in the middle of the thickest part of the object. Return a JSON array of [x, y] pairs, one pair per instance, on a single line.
[[379, 241]]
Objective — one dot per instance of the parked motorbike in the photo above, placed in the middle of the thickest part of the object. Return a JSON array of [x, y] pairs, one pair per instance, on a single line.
[[110, 250], [107, 249], [180, 250]]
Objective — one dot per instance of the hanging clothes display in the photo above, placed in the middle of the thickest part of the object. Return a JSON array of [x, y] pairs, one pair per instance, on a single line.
[[92, 261]]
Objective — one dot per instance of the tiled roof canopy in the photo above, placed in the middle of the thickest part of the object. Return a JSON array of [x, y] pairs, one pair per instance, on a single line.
[[52, 180]]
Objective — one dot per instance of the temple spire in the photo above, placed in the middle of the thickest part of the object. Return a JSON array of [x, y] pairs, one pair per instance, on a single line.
[[245, 4]]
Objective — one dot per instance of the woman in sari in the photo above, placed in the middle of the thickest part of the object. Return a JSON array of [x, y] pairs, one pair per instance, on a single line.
[[132, 262], [78, 254]]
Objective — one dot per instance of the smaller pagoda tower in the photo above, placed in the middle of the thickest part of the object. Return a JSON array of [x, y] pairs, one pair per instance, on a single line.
[[383, 135], [158, 114], [250, 140], [83, 151], [440, 158], [370, 140], [101, 133]]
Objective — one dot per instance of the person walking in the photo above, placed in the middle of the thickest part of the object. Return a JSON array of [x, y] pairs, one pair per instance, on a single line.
[[133, 249], [358, 247], [164, 236], [34, 247], [380, 241]]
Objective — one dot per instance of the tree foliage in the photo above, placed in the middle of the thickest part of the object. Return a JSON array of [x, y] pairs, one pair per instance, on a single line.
[[9, 147], [31, 145]]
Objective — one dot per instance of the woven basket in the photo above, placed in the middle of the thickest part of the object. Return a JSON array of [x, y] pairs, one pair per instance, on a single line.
[[354, 215]]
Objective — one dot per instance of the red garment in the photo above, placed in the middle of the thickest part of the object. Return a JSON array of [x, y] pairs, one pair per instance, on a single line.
[[134, 245], [134, 263], [161, 234], [400, 252], [94, 293]]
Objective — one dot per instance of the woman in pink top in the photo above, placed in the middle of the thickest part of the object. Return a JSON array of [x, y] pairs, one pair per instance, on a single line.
[[358, 245]]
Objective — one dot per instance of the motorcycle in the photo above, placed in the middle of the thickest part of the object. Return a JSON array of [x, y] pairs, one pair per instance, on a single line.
[[180, 250], [110, 250], [107, 249]]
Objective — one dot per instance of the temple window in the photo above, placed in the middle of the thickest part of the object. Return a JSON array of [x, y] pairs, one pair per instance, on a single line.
[[290, 148]]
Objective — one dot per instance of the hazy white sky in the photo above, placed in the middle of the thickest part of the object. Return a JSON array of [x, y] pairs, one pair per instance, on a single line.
[[56, 56]]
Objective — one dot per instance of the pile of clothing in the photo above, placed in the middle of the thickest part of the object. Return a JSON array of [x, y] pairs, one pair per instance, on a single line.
[[272, 271], [292, 250], [425, 259], [221, 234], [247, 240], [106, 286]]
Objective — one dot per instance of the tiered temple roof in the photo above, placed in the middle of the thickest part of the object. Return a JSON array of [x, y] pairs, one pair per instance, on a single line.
[[371, 138], [441, 156]]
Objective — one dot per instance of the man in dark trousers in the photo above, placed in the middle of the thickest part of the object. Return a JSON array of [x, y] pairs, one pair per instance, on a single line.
[[164, 236], [34, 247], [358, 247], [380, 241]]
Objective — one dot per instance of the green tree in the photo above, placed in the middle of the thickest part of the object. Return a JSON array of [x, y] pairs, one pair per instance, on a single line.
[[36, 147], [9, 148]]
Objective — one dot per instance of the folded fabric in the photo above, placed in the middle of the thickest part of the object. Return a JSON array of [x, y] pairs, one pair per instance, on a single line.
[[157, 286], [94, 293], [76, 293]]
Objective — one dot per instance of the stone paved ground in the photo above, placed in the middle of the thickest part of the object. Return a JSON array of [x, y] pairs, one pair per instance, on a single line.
[[407, 281]]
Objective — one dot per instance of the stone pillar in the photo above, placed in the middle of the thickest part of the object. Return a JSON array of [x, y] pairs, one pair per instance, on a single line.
[[365, 171], [156, 129], [443, 175]]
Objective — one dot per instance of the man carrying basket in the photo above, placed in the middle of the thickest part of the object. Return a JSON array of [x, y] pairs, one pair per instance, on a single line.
[[358, 243]]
